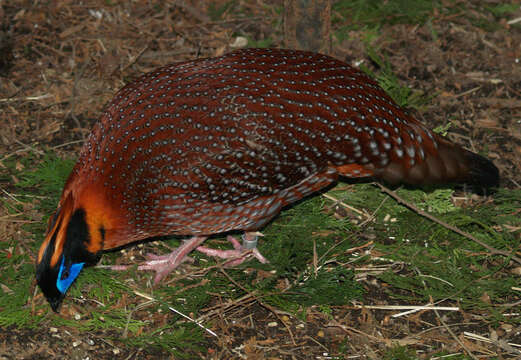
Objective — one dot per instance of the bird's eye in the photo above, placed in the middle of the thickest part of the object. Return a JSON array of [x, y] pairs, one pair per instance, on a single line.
[[67, 275]]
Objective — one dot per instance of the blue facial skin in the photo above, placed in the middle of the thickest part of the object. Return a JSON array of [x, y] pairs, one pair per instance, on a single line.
[[74, 271]]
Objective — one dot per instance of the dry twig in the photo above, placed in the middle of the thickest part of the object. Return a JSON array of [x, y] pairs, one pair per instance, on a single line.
[[491, 249], [148, 297]]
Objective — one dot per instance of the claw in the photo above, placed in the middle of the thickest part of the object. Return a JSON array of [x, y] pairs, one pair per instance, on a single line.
[[165, 264], [240, 252]]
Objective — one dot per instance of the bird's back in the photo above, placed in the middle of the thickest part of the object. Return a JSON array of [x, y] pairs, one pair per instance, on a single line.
[[219, 144]]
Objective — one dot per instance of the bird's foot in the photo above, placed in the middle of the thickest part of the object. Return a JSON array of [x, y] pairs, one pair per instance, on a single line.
[[240, 252], [164, 264]]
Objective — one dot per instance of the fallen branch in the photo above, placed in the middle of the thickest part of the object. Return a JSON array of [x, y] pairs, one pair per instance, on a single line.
[[492, 250]]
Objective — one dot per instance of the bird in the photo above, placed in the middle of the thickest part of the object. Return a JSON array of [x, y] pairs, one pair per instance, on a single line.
[[223, 144]]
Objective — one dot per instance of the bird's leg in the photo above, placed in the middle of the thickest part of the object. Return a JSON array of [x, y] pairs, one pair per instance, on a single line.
[[240, 252], [164, 264]]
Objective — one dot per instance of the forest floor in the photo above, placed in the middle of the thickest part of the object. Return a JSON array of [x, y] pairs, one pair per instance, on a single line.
[[335, 272]]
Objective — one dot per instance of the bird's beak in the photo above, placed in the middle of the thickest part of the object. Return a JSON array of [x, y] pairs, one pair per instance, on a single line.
[[55, 302]]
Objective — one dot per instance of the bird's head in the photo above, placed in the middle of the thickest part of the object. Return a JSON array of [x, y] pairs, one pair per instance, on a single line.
[[69, 245]]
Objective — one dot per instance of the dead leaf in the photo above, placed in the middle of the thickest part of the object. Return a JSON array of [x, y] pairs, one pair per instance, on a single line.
[[485, 298], [516, 270], [252, 351], [6, 289], [71, 30], [262, 275], [487, 123]]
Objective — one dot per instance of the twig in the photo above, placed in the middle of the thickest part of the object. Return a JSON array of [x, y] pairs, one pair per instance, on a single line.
[[315, 258], [146, 296], [135, 58], [467, 92], [224, 307], [510, 305], [20, 221], [317, 342], [449, 330], [13, 153], [67, 144], [349, 251], [445, 356], [405, 313], [11, 196], [349, 329], [514, 21], [411, 308], [439, 279], [419, 334], [407, 307], [492, 250], [360, 212], [373, 215], [26, 98], [129, 317], [29, 147], [510, 347], [467, 350], [269, 307]]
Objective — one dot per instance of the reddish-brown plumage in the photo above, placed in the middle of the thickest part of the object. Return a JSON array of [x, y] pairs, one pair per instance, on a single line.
[[220, 144]]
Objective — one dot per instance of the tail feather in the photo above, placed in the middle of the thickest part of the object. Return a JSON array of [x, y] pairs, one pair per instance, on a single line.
[[482, 172], [449, 163]]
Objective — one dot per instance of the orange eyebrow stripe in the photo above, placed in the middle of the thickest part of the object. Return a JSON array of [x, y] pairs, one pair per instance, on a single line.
[[59, 242], [63, 219], [44, 245], [48, 237]]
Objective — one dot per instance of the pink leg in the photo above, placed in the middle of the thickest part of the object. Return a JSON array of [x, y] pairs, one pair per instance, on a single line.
[[164, 264], [240, 252]]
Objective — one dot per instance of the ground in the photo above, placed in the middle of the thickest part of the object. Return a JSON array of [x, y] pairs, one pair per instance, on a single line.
[[456, 66]]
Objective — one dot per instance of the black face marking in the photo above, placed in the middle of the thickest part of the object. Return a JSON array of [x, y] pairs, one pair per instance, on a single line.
[[46, 276], [76, 238], [102, 233], [74, 251]]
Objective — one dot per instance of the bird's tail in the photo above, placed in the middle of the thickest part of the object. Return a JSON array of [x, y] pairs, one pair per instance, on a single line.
[[447, 163]]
